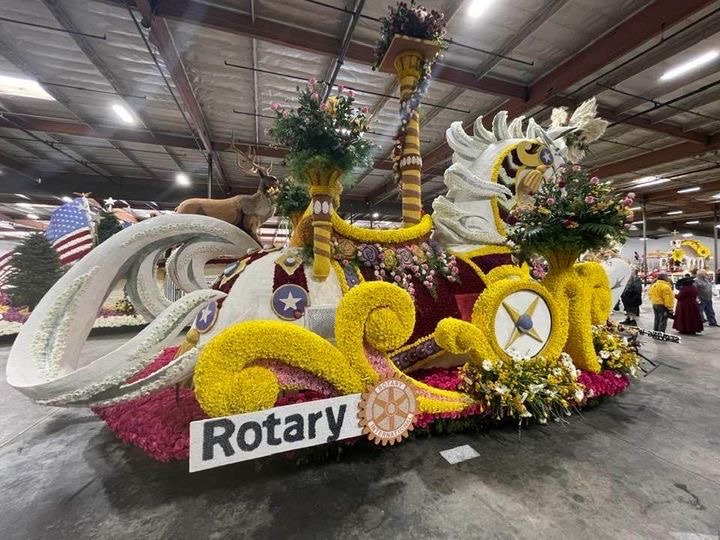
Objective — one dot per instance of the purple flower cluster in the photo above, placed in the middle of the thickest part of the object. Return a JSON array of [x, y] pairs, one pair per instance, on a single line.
[[404, 264]]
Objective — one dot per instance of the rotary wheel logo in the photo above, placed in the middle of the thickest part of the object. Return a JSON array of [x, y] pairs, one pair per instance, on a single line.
[[387, 411]]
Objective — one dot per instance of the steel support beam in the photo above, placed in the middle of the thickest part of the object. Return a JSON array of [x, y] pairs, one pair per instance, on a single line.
[[658, 157], [19, 168], [162, 38], [212, 16]]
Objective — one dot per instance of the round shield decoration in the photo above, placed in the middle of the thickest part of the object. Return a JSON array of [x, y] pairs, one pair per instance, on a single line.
[[546, 156], [387, 411], [205, 320], [289, 301]]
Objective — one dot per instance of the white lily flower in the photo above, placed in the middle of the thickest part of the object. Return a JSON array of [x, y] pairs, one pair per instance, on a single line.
[[604, 354], [501, 389], [487, 365], [579, 395]]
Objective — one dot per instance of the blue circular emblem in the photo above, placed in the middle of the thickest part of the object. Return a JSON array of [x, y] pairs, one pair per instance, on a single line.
[[524, 323], [546, 156], [207, 317], [289, 301]]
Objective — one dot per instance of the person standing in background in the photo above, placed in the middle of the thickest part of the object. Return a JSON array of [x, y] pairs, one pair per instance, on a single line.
[[687, 315], [705, 296], [661, 296], [632, 299]]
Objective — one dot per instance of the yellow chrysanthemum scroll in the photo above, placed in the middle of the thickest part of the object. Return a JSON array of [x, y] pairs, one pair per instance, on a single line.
[[234, 371], [584, 293], [698, 247]]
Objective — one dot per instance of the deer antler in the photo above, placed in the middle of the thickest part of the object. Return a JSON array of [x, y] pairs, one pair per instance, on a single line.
[[247, 161]]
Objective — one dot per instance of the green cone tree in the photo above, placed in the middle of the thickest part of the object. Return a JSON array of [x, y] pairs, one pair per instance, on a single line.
[[109, 225], [36, 268]]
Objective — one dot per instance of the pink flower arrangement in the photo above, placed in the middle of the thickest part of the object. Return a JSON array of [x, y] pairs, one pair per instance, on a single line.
[[443, 378], [594, 180], [607, 383]]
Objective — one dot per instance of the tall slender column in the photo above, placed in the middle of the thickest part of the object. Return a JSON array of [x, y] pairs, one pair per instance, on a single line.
[[645, 241], [715, 243], [210, 175], [408, 65]]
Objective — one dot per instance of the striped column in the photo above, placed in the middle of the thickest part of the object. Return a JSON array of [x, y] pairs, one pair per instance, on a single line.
[[408, 65], [324, 186]]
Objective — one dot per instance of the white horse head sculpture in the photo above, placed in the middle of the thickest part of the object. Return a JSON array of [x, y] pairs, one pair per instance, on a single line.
[[493, 170]]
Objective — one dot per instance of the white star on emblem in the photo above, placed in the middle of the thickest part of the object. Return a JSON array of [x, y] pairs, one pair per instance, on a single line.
[[290, 302], [109, 202], [205, 313]]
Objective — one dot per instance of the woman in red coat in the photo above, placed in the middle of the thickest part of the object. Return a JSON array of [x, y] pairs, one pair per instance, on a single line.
[[687, 315]]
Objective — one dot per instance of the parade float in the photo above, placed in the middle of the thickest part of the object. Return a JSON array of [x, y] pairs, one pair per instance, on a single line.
[[352, 332]]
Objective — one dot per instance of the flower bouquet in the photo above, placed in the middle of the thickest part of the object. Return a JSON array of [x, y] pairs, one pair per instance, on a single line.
[[570, 213], [525, 388], [412, 21], [327, 134]]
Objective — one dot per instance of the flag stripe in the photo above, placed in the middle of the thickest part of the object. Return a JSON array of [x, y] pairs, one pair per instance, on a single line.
[[59, 243]]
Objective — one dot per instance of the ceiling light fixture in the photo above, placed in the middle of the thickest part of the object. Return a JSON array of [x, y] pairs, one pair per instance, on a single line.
[[687, 234], [65, 198], [478, 7], [182, 179], [32, 216], [375, 215], [123, 113], [22, 196], [637, 222], [25, 205], [689, 189], [693, 222], [674, 212], [690, 65], [650, 181], [14, 86], [635, 208]]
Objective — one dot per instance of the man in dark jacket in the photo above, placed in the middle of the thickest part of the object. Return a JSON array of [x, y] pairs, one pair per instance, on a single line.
[[705, 297], [632, 299]]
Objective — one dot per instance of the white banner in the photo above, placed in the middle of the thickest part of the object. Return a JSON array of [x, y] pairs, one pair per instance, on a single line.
[[220, 441]]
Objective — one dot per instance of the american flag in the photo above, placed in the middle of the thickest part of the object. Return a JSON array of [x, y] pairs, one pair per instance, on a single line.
[[69, 230], [5, 268]]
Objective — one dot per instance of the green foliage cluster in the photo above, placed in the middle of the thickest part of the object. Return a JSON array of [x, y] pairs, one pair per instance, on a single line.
[[570, 212], [320, 133], [293, 197], [109, 224], [36, 268]]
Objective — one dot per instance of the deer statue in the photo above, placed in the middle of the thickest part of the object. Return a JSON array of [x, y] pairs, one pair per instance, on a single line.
[[246, 211]]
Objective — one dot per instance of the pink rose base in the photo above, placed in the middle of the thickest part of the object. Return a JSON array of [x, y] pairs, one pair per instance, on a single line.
[[159, 423]]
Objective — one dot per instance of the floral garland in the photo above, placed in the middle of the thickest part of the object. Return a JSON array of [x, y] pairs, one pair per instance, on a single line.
[[383, 236], [424, 262], [525, 388]]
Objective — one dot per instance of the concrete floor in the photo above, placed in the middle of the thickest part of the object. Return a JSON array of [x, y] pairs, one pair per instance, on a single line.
[[646, 465]]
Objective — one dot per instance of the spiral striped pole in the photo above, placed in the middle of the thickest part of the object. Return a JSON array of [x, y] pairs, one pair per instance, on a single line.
[[408, 65], [324, 189]]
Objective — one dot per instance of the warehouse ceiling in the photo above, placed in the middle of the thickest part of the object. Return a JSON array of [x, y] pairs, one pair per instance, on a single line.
[[190, 76]]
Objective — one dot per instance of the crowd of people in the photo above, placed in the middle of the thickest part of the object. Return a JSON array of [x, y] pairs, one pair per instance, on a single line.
[[689, 303]]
